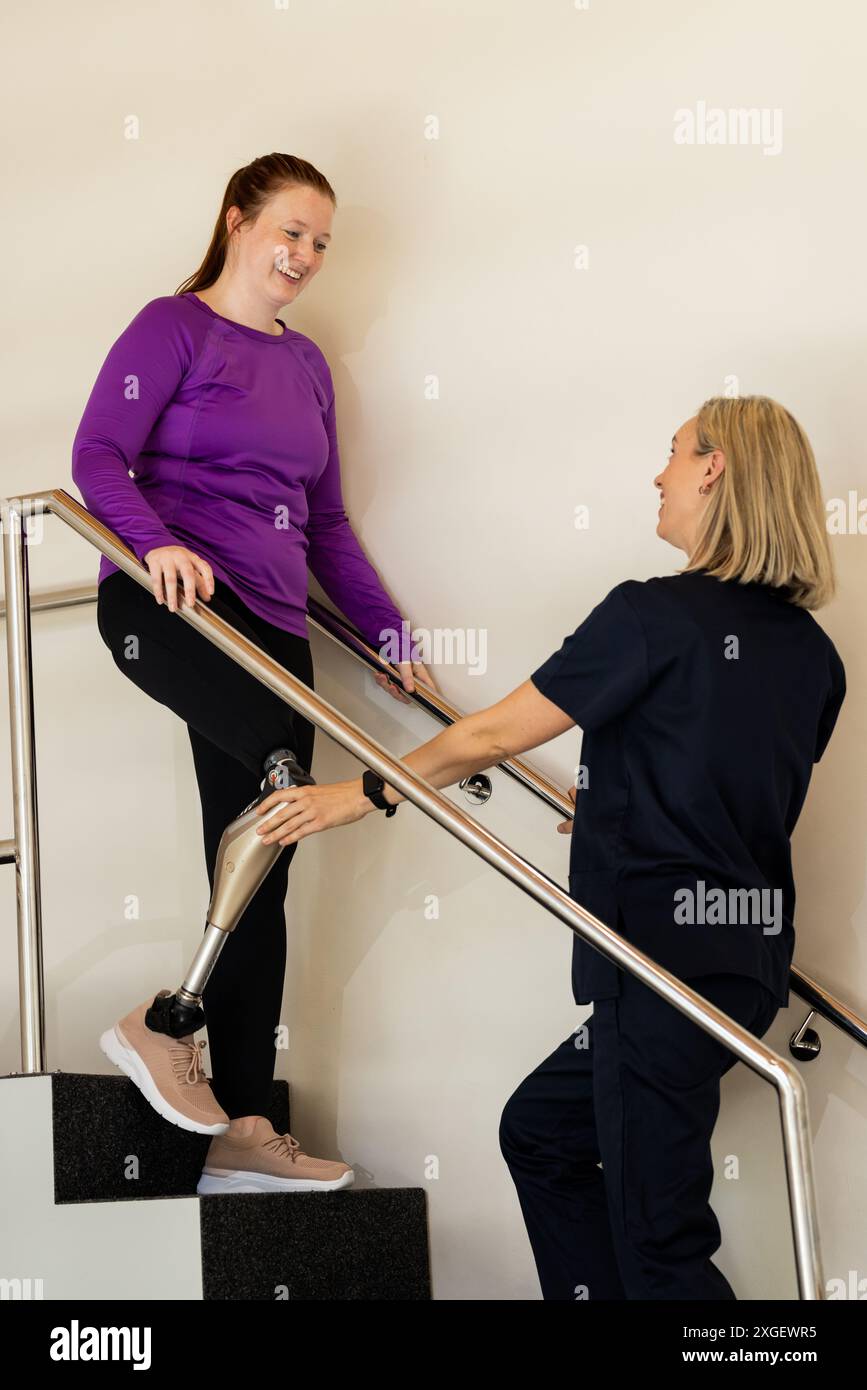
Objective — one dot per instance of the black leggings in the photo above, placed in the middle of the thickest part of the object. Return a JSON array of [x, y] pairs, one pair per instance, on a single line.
[[233, 722]]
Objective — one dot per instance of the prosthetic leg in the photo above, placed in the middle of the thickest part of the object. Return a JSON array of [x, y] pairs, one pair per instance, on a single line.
[[242, 863]]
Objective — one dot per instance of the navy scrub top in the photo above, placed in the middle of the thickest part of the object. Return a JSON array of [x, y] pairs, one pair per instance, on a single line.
[[704, 704]]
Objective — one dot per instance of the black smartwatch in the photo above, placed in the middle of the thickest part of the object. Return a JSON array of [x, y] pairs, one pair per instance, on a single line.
[[372, 785]]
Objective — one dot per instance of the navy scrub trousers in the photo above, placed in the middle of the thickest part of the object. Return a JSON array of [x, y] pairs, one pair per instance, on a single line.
[[233, 723], [637, 1088]]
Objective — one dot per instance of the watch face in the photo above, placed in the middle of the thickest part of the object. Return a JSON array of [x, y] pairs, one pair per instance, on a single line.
[[372, 784]]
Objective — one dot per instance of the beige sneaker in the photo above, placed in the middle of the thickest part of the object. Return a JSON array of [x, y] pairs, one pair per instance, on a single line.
[[268, 1162], [168, 1071]]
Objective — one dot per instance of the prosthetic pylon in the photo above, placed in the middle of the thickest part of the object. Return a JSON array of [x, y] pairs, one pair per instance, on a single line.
[[242, 863]]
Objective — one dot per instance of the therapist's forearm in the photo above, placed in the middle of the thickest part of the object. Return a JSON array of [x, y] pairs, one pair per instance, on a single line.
[[466, 746]]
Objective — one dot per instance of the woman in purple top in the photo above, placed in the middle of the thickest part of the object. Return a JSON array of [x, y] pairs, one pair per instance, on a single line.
[[209, 445]]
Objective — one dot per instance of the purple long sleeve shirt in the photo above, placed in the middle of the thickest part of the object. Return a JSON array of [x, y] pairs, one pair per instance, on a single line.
[[205, 433]]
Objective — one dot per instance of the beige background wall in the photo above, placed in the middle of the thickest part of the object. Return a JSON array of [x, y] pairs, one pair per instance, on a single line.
[[708, 268]]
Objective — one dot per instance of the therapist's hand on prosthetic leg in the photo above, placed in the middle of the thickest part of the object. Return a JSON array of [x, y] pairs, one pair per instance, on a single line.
[[523, 720]]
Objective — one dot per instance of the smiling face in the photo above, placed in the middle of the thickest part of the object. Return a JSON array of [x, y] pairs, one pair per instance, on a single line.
[[277, 256], [681, 503]]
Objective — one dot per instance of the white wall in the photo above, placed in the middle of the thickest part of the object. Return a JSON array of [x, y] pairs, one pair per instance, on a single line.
[[558, 386]]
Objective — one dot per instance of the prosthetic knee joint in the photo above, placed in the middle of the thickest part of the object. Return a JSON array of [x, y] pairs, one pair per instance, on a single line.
[[242, 863]]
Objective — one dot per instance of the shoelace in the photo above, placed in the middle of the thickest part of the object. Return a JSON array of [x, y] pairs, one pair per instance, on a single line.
[[191, 1056], [290, 1145]]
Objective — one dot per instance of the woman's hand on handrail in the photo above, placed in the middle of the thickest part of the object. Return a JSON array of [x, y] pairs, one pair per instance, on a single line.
[[166, 563], [409, 670]]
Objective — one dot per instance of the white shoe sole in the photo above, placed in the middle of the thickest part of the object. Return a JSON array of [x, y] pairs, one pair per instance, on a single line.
[[210, 1184], [130, 1063]]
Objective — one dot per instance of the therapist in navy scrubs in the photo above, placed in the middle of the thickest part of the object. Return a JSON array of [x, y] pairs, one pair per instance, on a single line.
[[704, 698]]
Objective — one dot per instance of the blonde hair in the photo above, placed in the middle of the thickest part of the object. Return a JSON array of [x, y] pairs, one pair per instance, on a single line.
[[765, 519]]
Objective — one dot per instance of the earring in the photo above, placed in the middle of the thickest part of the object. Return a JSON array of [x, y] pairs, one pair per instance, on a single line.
[[704, 490]]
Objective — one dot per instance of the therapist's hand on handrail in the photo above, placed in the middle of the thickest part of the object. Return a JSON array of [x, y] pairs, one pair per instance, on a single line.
[[565, 826]]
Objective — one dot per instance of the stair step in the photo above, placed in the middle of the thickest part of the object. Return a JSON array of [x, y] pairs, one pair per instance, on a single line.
[[101, 1123], [68, 1212], [366, 1244]]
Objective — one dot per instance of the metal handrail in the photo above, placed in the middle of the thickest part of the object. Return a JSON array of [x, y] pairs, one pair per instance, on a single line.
[[779, 1071], [351, 641]]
